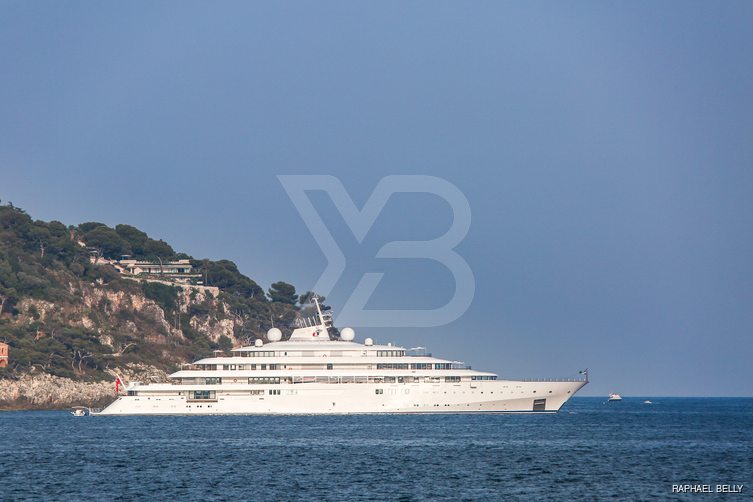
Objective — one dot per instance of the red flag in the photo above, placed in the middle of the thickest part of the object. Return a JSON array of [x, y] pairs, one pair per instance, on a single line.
[[117, 385]]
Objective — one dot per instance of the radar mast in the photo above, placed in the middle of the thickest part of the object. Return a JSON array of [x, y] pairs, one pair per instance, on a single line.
[[322, 321]]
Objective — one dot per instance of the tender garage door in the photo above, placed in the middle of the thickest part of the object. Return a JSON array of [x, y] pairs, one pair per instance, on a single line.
[[539, 405]]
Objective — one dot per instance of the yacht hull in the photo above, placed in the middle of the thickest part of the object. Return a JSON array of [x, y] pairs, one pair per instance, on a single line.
[[498, 396]]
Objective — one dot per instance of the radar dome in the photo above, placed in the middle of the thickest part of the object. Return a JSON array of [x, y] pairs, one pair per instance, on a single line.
[[368, 341], [347, 334], [258, 343], [274, 335]]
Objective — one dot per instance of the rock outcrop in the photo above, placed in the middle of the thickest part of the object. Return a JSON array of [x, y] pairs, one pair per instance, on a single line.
[[39, 390]]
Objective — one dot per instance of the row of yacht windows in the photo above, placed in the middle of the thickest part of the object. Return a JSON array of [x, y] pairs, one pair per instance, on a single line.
[[257, 380], [260, 353], [414, 366], [210, 395], [379, 366], [272, 353], [338, 379], [233, 367]]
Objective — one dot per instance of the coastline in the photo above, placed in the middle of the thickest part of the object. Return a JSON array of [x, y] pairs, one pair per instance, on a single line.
[[42, 391]]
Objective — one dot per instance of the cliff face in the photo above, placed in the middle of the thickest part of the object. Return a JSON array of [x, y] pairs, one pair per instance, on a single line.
[[108, 312], [121, 318]]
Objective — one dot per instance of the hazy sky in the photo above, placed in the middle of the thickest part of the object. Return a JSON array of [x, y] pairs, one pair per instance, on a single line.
[[605, 148]]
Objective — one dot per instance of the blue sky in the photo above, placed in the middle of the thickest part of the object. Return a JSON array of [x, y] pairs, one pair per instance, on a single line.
[[604, 148]]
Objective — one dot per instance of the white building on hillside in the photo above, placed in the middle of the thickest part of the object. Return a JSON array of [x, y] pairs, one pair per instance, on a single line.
[[136, 267]]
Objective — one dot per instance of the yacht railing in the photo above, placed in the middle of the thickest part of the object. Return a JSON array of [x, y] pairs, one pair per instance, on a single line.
[[417, 352], [573, 379]]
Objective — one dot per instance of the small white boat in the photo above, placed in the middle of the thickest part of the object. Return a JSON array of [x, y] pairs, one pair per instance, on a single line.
[[80, 411], [615, 397], [647, 402]]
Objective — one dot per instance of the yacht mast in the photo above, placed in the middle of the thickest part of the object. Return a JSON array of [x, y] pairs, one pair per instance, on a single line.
[[319, 311]]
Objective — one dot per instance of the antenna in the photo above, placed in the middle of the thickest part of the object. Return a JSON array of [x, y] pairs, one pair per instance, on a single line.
[[319, 311]]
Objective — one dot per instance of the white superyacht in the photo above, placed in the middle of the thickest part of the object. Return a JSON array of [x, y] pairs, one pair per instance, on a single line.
[[312, 373]]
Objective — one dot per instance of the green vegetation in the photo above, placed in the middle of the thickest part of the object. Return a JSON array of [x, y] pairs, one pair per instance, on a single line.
[[283, 292], [123, 240], [225, 275], [63, 315], [165, 296]]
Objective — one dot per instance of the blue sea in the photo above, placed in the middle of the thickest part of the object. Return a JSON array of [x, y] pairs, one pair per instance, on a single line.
[[591, 450]]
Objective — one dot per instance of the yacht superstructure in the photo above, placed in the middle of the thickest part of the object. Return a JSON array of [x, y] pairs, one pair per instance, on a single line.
[[311, 373]]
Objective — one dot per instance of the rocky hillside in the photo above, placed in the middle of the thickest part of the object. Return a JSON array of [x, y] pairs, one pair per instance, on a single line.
[[71, 325], [39, 390]]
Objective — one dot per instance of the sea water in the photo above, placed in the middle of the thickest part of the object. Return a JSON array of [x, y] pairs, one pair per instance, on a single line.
[[591, 450]]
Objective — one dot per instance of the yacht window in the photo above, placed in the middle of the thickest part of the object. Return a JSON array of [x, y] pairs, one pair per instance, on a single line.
[[329, 366], [263, 380], [212, 380], [201, 394], [392, 366], [452, 379], [379, 391]]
